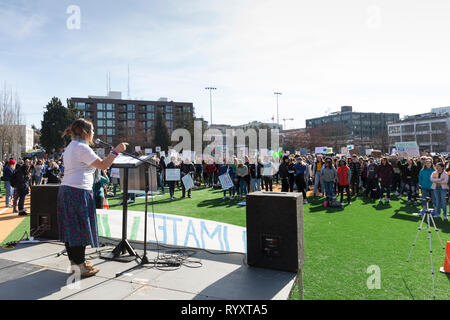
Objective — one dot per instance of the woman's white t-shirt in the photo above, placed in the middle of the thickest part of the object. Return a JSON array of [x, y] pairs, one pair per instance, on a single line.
[[78, 172]]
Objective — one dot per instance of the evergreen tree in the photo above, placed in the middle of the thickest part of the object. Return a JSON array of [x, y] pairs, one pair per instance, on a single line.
[[185, 120], [56, 119], [161, 137]]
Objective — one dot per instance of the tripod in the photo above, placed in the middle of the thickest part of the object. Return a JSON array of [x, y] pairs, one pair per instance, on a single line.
[[429, 215]]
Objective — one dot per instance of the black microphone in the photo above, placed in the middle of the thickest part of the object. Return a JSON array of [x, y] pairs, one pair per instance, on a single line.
[[98, 141]]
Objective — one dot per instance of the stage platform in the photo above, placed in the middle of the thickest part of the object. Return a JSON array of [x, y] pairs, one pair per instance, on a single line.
[[34, 272]]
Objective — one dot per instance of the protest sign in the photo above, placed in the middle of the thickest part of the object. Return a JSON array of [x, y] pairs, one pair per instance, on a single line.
[[188, 182], [172, 174], [226, 181], [407, 149]]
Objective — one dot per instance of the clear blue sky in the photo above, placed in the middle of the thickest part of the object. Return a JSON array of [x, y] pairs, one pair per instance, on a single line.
[[390, 56]]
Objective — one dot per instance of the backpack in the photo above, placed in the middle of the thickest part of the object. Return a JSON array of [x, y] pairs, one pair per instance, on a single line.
[[14, 179]]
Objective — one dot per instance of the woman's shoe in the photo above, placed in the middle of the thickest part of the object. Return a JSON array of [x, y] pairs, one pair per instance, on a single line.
[[87, 263], [23, 213], [86, 271]]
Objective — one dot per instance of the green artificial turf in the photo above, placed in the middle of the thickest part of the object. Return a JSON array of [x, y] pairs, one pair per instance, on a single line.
[[22, 231], [340, 245]]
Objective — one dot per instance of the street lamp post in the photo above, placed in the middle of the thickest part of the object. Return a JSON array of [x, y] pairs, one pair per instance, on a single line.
[[210, 100], [278, 94]]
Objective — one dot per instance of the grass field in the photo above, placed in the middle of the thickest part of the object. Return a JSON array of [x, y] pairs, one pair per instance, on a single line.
[[340, 245]]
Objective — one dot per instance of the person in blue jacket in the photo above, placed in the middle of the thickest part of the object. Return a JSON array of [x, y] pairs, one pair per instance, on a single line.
[[100, 180], [426, 183], [228, 168]]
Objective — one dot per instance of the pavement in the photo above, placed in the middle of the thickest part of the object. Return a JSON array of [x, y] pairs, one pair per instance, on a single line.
[[40, 272]]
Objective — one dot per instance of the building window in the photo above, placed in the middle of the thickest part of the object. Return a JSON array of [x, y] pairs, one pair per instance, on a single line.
[[150, 108], [131, 116], [100, 131], [130, 131], [131, 123], [88, 115], [110, 115], [409, 138], [110, 132], [110, 107], [109, 139], [150, 116], [168, 108], [101, 106], [131, 108], [101, 115], [111, 123], [408, 128], [438, 126], [422, 127], [423, 138], [80, 105], [101, 123], [394, 130], [149, 123], [169, 116], [393, 140]]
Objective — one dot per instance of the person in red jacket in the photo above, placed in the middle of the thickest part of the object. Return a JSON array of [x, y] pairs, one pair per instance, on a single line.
[[385, 174], [210, 168], [344, 178]]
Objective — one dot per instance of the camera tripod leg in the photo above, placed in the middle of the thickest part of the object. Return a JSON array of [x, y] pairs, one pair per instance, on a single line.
[[417, 235], [431, 253]]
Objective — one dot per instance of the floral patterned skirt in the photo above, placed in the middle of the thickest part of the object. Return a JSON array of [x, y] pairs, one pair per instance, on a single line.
[[77, 219]]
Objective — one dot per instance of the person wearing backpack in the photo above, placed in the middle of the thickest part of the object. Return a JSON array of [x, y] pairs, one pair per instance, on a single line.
[[385, 174], [21, 180], [7, 173], [372, 183]]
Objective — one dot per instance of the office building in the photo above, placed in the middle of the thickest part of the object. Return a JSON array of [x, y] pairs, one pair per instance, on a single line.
[[115, 118]]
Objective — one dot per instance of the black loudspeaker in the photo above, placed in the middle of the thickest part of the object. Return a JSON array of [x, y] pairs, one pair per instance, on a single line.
[[275, 231], [43, 211]]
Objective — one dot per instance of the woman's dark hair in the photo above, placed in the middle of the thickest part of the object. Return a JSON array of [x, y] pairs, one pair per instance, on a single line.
[[81, 128]]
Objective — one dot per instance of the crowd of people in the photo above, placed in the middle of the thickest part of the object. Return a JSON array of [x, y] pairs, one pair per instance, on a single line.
[[18, 176], [333, 177], [420, 179]]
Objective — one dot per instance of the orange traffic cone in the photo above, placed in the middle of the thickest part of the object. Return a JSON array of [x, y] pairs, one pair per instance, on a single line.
[[446, 268], [105, 204]]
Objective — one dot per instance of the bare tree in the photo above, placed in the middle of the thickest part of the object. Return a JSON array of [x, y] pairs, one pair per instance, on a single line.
[[11, 118]]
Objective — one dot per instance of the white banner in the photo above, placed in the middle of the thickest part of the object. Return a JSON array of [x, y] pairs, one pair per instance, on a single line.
[[174, 230], [172, 174]]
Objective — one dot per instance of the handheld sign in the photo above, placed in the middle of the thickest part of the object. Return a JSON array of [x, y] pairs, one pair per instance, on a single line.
[[226, 181], [173, 174], [188, 182]]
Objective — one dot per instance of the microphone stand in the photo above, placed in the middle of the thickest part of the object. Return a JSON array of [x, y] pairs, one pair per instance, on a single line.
[[147, 164], [144, 259]]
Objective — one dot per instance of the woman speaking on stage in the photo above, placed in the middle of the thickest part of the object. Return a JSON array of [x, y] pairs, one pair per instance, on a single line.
[[77, 219]]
